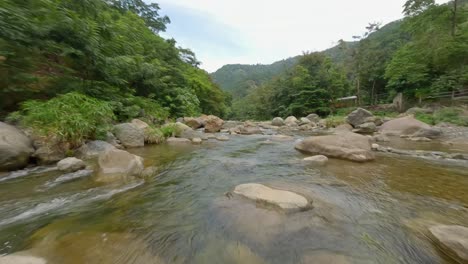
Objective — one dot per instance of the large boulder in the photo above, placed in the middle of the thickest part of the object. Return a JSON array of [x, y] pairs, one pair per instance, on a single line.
[[93, 149], [285, 200], [368, 127], [454, 238], [291, 121], [15, 148], [140, 124], [212, 123], [409, 126], [130, 135], [191, 134], [342, 145], [49, 153], [313, 118], [304, 121], [358, 117], [428, 133], [70, 165], [192, 122], [119, 162], [277, 121]]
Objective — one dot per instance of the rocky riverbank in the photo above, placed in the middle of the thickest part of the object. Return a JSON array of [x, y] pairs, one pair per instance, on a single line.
[[364, 138]]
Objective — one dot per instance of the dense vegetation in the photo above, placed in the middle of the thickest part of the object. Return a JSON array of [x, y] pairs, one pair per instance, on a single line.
[[107, 50], [424, 53]]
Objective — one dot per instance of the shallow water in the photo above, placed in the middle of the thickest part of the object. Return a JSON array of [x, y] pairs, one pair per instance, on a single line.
[[375, 212]]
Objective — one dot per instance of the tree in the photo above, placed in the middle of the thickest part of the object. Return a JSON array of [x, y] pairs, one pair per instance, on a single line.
[[416, 7]]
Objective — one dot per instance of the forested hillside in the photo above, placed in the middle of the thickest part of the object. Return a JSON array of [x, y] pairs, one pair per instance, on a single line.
[[425, 52], [239, 78], [108, 50]]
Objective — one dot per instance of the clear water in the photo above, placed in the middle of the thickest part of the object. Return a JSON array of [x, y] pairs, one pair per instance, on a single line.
[[375, 212]]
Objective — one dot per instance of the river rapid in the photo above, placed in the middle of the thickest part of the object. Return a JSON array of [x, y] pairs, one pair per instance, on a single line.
[[376, 212]]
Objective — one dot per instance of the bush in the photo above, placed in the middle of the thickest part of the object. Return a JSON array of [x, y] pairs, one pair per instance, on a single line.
[[71, 117], [140, 107], [426, 118], [334, 121], [451, 115], [170, 130], [153, 135]]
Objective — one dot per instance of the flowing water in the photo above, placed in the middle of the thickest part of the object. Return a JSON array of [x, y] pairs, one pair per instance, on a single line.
[[376, 212]]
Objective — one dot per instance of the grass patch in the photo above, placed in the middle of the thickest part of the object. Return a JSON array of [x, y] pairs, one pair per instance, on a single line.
[[334, 121], [153, 135], [451, 115], [71, 117]]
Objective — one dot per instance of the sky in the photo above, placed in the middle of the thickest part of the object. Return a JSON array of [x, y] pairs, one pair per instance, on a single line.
[[264, 31]]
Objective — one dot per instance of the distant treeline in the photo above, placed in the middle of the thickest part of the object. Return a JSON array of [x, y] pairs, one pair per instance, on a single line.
[[423, 53]]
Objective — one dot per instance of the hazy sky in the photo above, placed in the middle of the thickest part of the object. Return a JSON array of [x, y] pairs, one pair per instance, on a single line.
[[263, 31]]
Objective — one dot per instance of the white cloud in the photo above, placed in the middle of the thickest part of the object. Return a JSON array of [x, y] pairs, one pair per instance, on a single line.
[[263, 31]]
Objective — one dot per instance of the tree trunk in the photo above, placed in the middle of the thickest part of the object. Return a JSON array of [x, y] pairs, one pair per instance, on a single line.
[[454, 17], [373, 93], [358, 92]]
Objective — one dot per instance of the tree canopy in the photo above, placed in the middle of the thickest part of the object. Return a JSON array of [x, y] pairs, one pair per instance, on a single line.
[[107, 49]]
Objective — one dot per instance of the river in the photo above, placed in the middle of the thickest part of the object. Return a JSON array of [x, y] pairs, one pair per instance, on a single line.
[[376, 212]]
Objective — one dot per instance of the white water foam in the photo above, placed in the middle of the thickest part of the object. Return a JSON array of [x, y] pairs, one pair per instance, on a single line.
[[26, 172], [68, 177], [73, 200]]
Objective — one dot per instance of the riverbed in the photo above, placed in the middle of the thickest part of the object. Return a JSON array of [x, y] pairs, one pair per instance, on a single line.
[[376, 212]]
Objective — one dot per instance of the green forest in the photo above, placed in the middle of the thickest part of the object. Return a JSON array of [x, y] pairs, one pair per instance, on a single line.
[[424, 53], [103, 52], [109, 52]]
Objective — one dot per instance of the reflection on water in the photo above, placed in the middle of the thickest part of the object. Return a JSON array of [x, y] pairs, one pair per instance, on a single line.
[[376, 212]]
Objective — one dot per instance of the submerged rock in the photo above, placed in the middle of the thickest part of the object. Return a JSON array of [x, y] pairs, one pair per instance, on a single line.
[[20, 259], [249, 130], [285, 200], [93, 247], [317, 160], [130, 135], [119, 162], [176, 141], [222, 138], [228, 252], [70, 165], [281, 138], [197, 141], [358, 117], [15, 148], [343, 145], [325, 257], [454, 238]]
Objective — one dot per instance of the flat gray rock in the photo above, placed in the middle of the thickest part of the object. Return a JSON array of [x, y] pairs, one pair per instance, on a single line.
[[285, 200]]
